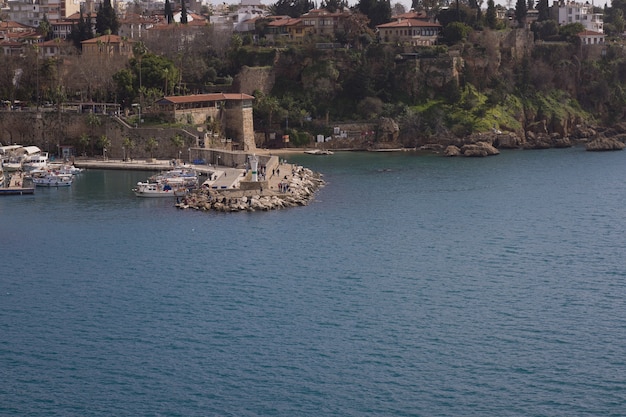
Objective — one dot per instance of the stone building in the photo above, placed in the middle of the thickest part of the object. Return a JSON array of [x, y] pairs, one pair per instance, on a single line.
[[225, 115]]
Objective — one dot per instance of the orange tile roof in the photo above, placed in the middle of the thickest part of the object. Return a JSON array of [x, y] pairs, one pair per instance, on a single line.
[[408, 23], [104, 39]]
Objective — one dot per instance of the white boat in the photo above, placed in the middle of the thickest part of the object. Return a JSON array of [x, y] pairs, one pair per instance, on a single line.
[[177, 177], [16, 158], [53, 179], [13, 163], [64, 168], [319, 152], [160, 189], [36, 161]]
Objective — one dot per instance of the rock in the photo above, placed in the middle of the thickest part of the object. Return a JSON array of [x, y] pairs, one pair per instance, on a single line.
[[602, 143], [452, 151], [302, 185], [479, 149], [507, 141]]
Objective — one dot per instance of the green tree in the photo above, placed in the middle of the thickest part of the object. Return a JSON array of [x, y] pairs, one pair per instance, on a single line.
[[292, 8], [128, 144], [178, 142], [183, 12], [169, 15], [84, 141], [151, 146], [265, 107], [105, 144], [520, 12], [45, 28], [93, 122], [81, 31], [378, 11], [456, 32], [106, 19], [570, 30], [491, 16], [544, 10]]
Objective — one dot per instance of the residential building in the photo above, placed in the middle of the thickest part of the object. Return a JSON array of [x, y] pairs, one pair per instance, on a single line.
[[134, 26], [321, 22], [412, 31], [285, 27], [589, 37], [31, 12], [107, 45], [566, 12]]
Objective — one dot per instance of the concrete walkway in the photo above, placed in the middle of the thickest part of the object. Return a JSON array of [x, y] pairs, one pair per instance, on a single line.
[[216, 177]]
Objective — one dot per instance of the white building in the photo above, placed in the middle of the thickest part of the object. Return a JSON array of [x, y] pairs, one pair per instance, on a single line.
[[247, 10], [31, 12], [567, 12]]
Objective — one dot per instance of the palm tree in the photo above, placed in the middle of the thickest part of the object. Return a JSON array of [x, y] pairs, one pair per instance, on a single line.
[[104, 143], [178, 143], [151, 146], [128, 145], [93, 121], [84, 141]]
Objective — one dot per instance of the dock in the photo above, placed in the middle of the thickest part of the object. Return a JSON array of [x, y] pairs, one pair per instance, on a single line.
[[18, 184]]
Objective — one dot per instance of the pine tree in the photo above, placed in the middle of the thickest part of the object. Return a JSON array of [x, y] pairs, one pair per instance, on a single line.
[[491, 17], [183, 13], [544, 11], [169, 15], [520, 12], [81, 31], [106, 19]]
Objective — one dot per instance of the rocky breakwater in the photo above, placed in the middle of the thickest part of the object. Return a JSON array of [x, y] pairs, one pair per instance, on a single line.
[[294, 189]]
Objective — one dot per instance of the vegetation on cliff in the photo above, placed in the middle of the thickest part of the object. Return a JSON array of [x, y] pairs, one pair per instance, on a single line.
[[483, 76]]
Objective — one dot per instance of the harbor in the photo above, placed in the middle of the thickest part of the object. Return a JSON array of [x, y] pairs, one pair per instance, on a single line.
[[236, 181], [274, 184]]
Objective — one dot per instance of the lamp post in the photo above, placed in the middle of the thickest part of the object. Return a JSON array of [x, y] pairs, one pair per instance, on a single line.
[[189, 153], [124, 152]]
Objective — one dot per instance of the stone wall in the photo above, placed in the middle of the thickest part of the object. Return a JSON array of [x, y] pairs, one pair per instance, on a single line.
[[250, 79]]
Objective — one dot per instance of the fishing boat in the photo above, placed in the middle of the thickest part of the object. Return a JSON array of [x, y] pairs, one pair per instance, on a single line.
[[159, 189]]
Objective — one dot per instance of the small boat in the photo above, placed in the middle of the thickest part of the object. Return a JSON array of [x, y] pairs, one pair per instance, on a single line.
[[160, 189], [319, 152], [64, 168], [177, 177], [53, 179]]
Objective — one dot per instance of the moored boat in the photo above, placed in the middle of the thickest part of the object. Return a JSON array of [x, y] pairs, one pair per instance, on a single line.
[[319, 152], [53, 179], [159, 189], [36, 161]]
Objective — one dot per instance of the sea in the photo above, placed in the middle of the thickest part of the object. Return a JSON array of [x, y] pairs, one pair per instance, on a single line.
[[412, 285]]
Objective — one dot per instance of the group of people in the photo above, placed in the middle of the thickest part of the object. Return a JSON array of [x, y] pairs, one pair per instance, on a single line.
[[283, 187]]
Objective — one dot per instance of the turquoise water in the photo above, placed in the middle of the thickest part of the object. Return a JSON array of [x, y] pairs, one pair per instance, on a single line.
[[412, 286]]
